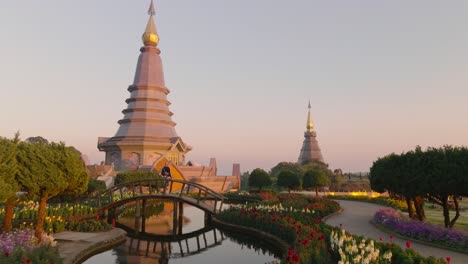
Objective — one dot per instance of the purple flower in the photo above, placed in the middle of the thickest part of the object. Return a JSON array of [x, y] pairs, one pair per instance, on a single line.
[[420, 230]]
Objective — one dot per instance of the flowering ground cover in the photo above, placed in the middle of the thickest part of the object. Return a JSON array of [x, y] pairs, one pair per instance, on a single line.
[[297, 220], [394, 221], [21, 246], [294, 218]]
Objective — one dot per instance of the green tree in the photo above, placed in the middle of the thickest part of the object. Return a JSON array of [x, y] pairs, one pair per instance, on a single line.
[[437, 174], [292, 166], [8, 182], [446, 176], [314, 179], [37, 140], [47, 170], [259, 178], [288, 179], [335, 179], [95, 186]]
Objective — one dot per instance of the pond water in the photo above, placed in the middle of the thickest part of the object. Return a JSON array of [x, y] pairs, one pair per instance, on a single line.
[[197, 243]]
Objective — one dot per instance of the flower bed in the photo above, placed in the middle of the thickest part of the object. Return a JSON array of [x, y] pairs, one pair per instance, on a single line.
[[58, 217], [296, 219], [394, 221], [28, 211], [21, 246], [394, 203], [242, 197], [355, 249]]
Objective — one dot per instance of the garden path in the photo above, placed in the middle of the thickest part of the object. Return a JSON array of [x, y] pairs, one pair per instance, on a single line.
[[356, 217]]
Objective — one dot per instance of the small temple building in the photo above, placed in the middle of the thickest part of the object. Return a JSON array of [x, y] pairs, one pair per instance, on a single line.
[[146, 137], [310, 150]]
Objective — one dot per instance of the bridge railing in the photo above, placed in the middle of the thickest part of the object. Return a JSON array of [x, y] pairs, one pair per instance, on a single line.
[[159, 187]]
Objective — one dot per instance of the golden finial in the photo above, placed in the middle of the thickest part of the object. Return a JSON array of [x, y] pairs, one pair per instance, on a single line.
[[310, 123], [150, 37]]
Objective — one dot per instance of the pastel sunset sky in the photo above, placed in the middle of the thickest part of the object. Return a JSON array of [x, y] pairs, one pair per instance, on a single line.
[[382, 76]]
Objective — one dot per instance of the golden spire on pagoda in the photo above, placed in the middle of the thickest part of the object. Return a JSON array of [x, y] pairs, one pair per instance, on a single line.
[[150, 37], [310, 123]]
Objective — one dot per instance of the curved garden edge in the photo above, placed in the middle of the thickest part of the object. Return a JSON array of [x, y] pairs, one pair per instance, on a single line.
[[389, 231], [332, 214], [272, 240], [81, 246]]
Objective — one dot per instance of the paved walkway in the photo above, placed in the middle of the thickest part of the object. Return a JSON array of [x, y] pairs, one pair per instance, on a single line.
[[75, 247], [355, 219]]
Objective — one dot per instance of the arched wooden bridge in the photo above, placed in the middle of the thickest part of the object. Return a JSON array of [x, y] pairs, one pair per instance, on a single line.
[[166, 189]]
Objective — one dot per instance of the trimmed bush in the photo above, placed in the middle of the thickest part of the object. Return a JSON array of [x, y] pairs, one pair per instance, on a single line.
[[259, 178], [128, 176]]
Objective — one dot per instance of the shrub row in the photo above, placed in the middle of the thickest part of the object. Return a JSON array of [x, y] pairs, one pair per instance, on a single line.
[[394, 203]]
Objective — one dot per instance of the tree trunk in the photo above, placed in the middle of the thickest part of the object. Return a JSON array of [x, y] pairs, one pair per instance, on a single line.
[[410, 207], [41, 213], [419, 206], [457, 212], [7, 222], [445, 208], [316, 191]]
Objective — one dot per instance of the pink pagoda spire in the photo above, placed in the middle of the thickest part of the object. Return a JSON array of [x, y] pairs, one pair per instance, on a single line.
[[146, 131]]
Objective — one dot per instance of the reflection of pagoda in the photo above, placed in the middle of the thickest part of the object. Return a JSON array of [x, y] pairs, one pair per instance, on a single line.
[[310, 150], [146, 131]]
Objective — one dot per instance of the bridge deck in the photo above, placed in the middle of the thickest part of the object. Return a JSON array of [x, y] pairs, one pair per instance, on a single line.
[[187, 192]]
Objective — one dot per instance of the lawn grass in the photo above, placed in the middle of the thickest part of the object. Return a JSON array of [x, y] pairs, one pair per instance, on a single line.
[[435, 215]]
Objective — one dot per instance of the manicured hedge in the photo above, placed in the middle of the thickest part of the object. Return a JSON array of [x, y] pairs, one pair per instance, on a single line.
[[128, 176]]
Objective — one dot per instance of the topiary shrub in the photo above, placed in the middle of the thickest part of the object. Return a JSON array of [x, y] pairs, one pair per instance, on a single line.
[[128, 176], [288, 179]]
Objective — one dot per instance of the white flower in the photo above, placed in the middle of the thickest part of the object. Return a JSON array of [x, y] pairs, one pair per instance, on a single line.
[[48, 240]]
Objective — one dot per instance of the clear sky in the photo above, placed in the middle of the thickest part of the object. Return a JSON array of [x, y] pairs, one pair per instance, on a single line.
[[382, 76]]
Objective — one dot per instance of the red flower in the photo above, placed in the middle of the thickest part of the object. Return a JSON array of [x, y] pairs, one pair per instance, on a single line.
[[296, 258], [408, 244], [97, 217], [305, 242], [448, 259], [380, 238], [391, 237]]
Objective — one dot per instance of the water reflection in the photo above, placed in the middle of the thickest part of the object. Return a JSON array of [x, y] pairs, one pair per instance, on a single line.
[[197, 241]]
